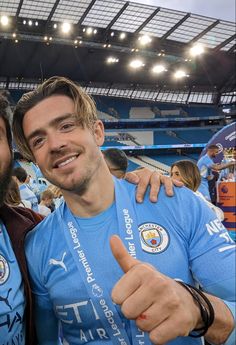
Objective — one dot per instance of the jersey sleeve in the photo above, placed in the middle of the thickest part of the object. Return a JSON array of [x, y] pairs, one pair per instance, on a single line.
[[46, 322], [211, 254]]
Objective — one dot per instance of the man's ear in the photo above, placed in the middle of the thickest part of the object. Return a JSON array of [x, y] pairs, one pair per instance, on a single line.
[[99, 133]]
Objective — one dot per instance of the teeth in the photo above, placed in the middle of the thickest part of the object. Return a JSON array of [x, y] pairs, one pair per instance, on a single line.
[[66, 162]]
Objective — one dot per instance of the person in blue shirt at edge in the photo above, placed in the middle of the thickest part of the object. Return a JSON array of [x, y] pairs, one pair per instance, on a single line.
[[16, 304], [104, 268], [206, 165]]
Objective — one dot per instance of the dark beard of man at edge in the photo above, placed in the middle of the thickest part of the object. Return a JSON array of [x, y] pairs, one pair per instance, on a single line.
[[5, 175], [5, 178]]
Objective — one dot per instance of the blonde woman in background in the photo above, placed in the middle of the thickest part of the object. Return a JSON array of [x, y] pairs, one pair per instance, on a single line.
[[187, 172]]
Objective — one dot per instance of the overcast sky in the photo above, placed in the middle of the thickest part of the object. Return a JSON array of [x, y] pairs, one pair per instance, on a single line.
[[220, 9]]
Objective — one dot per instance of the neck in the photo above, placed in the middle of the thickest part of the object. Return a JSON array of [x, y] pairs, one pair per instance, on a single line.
[[97, 198]]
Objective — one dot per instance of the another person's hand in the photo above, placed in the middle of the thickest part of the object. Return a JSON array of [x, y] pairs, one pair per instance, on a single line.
[[145, 177], [157, 303]]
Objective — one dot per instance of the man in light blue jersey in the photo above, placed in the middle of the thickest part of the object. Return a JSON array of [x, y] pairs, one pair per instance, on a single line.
[[16, 304], [206, 165], [102, 289]]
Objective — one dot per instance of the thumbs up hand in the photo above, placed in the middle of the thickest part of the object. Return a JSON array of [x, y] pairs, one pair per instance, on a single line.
[[157, 303]]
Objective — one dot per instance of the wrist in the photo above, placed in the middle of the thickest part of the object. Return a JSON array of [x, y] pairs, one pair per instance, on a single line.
[[205, 315]]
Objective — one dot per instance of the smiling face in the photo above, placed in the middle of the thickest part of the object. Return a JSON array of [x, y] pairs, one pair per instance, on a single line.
[[67, 154], [5, 161]]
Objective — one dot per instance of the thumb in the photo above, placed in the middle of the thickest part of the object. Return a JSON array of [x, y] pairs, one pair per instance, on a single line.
[[121, 254]]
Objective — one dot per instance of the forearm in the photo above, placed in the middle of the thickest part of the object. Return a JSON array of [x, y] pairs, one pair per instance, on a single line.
[[222, 166], [223, 324]]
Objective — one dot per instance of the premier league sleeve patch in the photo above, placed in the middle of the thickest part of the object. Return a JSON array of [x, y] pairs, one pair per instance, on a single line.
[[4, 270], [154, 238]]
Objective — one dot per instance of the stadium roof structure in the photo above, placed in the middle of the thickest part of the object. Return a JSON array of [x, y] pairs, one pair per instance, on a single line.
[[33, 47]]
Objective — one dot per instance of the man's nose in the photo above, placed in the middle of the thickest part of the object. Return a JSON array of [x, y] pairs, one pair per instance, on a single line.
[[56, 142]]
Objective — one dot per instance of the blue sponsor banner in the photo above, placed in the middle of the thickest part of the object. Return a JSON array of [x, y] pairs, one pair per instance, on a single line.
[[156, 147]]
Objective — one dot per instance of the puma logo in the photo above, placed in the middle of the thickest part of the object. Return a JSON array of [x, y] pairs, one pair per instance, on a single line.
[[5, 299], [59, 262]]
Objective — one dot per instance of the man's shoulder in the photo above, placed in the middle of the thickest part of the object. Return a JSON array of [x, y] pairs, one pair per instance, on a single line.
[[48, 224], [182, 196]]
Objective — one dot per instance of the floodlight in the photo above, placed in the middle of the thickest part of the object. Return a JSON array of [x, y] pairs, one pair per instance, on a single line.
[[180, 74], [122, 35], [95, 31], [112, 33], [144, 40], [30, 23], [112, 59], [89, 31], [158, 69], [196, 50], [4, 20], [54, 26], [36, 23], [136, 64], [66, 28]]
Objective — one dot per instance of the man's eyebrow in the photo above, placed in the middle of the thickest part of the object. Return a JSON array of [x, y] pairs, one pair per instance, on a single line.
[[52, 123]]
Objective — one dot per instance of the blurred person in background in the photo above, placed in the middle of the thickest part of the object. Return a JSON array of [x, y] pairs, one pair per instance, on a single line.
[[117, 161], [187, 172], [20, 176], [57, 195], [206, 167], [46, 200]]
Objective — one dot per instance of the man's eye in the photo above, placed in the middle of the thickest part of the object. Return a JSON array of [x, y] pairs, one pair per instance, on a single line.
[[67, 126], [37, 142]]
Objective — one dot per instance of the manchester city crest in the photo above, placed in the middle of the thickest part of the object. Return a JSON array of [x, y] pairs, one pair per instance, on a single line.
[[4, 270], [154, 238]]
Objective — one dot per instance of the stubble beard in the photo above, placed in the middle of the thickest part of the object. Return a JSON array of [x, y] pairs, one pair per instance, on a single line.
[[80, 187]]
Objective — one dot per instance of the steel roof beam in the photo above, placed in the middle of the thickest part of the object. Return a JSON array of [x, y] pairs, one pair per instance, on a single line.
[[147, 20], [205, 31], [117, 16], [86, 12], [19, 8], [168, 33], [224, 43], [52, 11]]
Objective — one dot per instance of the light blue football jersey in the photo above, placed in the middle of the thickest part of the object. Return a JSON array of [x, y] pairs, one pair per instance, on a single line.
[[12, 303], [180, 236], [204, 165], [27, 194]]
